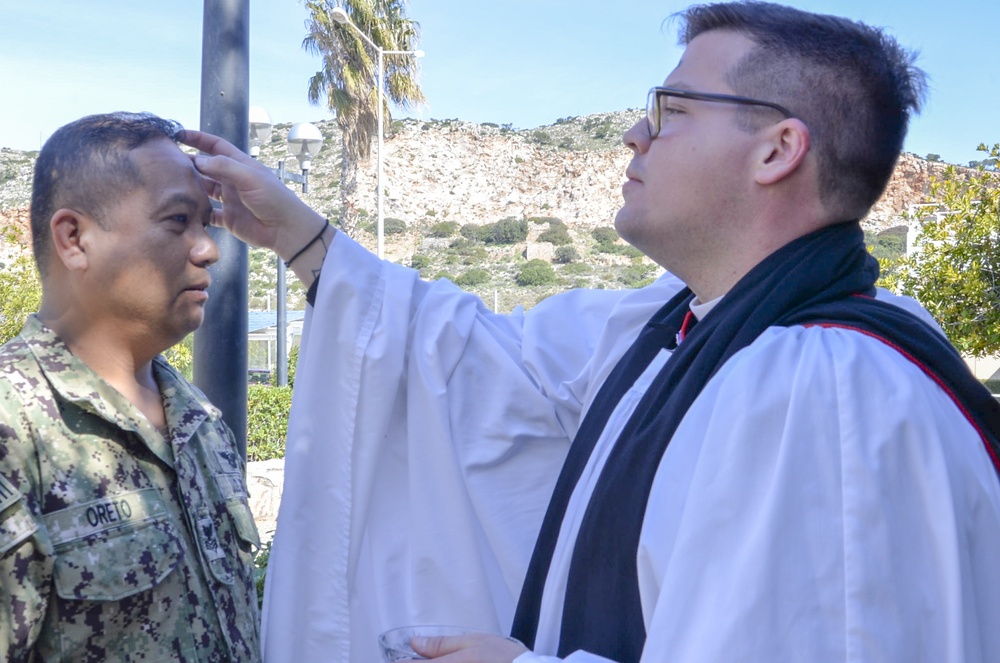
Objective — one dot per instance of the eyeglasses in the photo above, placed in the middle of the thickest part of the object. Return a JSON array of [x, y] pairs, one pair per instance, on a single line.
[[655, 93]]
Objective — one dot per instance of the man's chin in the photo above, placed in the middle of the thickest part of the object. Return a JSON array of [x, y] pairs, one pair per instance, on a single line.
[[181, 331]]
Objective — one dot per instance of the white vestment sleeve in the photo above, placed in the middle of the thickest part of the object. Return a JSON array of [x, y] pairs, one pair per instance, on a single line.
[[823, 500], [425, 437]]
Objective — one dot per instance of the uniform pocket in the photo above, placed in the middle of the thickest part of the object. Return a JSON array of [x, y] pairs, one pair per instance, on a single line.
[[111, 549]]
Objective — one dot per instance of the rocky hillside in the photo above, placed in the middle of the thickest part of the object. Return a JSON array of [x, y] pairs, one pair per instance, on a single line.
[[441, 175]]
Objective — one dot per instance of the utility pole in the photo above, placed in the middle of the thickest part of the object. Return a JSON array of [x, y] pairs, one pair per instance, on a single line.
[[220, 345]]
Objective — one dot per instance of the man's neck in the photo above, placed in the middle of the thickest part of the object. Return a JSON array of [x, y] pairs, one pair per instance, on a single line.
[[108, 351]]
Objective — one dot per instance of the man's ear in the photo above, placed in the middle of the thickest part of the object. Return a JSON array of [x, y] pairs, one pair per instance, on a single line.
[[783, 152], [68, 228]]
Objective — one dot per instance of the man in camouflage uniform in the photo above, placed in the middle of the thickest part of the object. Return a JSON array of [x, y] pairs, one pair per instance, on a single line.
[[125, 532]]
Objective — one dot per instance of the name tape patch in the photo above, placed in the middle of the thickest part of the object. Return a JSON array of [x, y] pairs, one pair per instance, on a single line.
[[82, 520]]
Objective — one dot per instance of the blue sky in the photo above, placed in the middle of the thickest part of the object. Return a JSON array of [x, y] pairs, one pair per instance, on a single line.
[[526, 62]]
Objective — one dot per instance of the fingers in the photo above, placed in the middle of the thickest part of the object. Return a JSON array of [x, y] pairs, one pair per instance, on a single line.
[[211, 188], [480, 647], [225, 170], [211, 144]]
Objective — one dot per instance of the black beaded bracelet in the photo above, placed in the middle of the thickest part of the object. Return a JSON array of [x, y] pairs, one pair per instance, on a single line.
[[288, 263]]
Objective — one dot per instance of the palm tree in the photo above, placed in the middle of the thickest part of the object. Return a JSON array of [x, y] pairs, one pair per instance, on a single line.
[[346, 83]]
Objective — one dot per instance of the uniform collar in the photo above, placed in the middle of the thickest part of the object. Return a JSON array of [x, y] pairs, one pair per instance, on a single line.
[[185, 406]]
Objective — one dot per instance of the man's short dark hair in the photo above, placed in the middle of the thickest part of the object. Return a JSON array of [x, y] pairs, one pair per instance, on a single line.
[[85, 165], [851, 84]]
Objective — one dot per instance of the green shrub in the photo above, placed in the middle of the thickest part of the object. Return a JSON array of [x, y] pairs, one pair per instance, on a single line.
[[20, 295], [993, 385], [603, 130], [619, 250], [630, 251], [507, 231], [181, 357], [463, 242], [267, 421], [443, 229], [473, 255], [636, 276], [419, 261], [536, 272], [604, 235], [473, 277], [504, 231], [557, 234], [471, 231], [393, 226], [293, 362], [566, 255], [887, 245]]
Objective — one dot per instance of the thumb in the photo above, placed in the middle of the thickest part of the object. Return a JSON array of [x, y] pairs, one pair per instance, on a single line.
[[433, 646]]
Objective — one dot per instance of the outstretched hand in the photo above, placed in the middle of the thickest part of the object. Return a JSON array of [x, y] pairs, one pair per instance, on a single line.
[[469, 648], [256, 206]]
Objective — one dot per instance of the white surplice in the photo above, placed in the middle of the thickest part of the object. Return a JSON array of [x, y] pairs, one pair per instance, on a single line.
[[823, 500]]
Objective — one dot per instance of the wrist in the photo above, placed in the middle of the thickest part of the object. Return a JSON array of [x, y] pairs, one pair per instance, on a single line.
[[295, 234], [308, 245]]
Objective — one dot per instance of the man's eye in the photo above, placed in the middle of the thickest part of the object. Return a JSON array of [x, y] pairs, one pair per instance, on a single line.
[[177, 223]]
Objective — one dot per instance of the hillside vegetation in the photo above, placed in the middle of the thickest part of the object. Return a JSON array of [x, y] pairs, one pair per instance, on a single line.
[[513, 215]]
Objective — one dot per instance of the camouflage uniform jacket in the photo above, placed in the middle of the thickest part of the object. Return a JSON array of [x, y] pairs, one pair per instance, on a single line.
[[116, 543]]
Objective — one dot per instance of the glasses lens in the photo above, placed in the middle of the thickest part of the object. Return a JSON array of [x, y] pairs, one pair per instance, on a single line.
[[652, 114]]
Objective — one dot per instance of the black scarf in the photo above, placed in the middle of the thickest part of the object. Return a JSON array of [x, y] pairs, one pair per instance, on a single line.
[[827, 278]]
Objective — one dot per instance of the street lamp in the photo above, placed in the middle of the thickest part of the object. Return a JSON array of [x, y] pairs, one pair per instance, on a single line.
[[260, 129], [341, 17], [304, 142]]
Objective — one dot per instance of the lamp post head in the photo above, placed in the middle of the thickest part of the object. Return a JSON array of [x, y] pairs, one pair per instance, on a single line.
[[260, 129], [419, 53], [304, 142], [339, 15]]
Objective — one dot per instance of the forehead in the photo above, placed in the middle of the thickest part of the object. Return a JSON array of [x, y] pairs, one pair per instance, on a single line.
[[707, 60], [165, 171], [162, 158]]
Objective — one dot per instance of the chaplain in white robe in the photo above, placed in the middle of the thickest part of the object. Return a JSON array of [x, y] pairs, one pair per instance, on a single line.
[[826, 496]]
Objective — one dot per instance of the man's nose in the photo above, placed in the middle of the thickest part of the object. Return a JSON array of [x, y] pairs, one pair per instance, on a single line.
[[205, 251], [636, 138]]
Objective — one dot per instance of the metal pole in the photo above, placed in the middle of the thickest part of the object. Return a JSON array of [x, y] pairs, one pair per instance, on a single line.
[[220, 346], [282, 339], [378, 184]]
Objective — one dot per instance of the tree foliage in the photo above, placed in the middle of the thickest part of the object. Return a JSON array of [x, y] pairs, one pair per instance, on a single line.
[[20, 295], [955, 266], [557, 233], [181, 357], [346, 82], [536, 272], [267, 421], [509, 230]]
